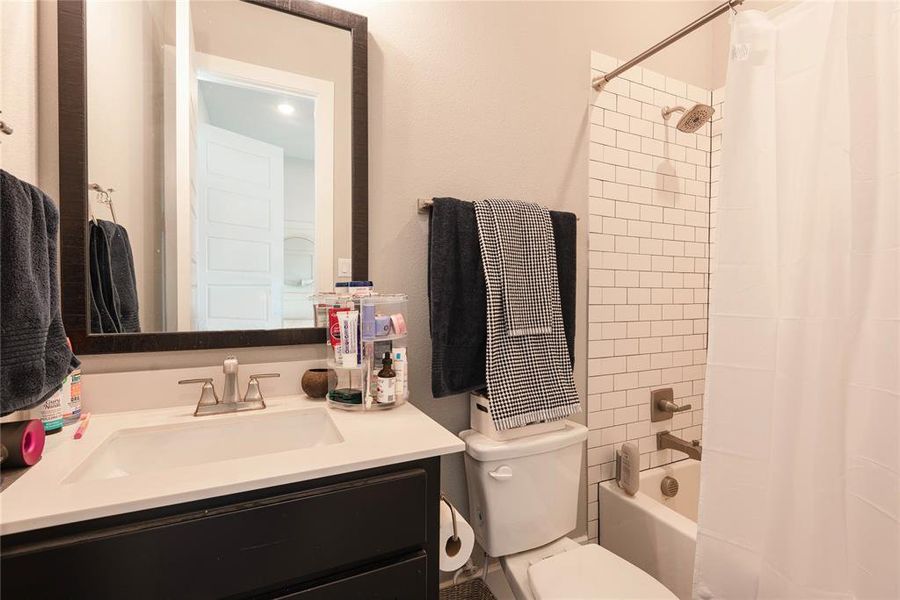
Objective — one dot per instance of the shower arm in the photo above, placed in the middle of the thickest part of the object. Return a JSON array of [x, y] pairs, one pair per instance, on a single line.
[[600, 82]]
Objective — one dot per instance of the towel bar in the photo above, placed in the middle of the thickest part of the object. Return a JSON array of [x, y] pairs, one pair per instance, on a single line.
[[423, 205]]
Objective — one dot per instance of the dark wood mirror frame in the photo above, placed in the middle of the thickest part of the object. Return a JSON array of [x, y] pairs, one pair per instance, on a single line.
[[74, 195]]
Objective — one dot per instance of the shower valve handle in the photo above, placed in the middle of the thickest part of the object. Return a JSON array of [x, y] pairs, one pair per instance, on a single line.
[[671, 407]]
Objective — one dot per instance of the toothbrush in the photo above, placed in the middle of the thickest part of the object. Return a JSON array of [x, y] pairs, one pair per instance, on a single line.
[[85, 419]]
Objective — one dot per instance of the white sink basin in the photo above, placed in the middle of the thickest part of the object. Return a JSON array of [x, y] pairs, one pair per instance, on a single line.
[[207, 440]]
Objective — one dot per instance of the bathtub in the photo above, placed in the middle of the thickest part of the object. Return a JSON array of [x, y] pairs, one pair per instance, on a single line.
[[656, 533]]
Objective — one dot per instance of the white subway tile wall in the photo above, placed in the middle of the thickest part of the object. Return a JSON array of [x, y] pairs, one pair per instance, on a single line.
[[651, 193]]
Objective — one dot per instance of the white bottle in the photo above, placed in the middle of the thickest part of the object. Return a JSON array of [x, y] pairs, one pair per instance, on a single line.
[[72, 397], [402, 370], [628, 468]]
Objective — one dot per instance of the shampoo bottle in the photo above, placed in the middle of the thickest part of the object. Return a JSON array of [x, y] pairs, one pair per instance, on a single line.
[[71, 398], [52, 413]]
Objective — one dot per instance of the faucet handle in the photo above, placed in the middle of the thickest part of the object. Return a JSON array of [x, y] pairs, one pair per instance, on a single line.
[[207, 392], [253, 392], [669, 406]]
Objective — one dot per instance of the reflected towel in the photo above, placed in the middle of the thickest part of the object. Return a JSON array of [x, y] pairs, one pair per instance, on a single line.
[[113, 280]]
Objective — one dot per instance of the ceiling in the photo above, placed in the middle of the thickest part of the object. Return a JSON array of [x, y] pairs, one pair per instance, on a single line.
[[254, 113]]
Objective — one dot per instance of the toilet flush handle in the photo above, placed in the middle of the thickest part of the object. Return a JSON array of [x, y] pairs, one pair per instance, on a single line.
[[501, 473]]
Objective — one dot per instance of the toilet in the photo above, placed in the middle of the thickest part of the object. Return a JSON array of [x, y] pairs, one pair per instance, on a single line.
[[523, 499]]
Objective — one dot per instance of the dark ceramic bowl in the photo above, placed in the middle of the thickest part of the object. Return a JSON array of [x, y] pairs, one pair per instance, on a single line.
[[315, 383]]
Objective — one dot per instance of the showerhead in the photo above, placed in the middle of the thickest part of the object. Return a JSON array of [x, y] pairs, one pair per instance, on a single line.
[[692, 119]]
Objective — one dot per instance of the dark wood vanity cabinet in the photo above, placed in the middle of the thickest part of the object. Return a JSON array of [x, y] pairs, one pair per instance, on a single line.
[[369, 535]]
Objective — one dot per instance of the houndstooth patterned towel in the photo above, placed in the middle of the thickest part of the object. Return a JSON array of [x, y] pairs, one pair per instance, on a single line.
[[529, 375], [524, 232]]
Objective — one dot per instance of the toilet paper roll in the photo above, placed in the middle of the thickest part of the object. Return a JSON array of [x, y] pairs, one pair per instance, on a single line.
[[454, 552]]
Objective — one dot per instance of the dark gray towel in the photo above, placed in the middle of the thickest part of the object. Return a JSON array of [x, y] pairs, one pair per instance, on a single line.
[[104, 302], [458, 296], [34, 356], [114, 300], [121, 272]]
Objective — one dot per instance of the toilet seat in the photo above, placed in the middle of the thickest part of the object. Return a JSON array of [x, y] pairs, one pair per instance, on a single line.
[[593, 572]]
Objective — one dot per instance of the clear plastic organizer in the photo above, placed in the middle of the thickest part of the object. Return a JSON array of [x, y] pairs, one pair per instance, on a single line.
[[377, 323]]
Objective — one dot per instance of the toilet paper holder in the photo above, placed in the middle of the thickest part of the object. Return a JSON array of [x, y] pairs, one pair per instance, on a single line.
[[452, 516]]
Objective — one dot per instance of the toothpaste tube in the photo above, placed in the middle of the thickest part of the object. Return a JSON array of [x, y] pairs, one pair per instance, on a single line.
[[334, 332], [349, 325]]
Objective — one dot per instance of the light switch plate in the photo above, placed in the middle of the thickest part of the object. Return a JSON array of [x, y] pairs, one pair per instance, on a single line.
[[345, 267]]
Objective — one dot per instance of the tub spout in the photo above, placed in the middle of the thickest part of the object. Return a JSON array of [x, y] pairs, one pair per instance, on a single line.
[[664, 440]]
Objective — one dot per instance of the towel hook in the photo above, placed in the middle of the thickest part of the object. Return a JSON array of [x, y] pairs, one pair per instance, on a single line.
[[104, 196]]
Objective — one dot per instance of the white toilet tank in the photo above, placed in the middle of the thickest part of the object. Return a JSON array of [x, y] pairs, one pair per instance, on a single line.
[[523, 493]]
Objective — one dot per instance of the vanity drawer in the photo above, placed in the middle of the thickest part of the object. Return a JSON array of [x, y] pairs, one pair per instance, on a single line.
[[404, 580], [231, 550]]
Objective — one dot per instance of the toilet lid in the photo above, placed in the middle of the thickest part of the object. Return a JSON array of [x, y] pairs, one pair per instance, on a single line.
[[593, 572]]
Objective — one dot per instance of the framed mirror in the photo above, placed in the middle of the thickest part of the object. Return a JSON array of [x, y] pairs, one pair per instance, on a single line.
[[213, 170]]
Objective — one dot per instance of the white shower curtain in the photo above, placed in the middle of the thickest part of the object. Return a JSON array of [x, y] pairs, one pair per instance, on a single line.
[[800, 493]]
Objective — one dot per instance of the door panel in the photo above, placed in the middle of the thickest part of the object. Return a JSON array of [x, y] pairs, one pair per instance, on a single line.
[[240, 230]]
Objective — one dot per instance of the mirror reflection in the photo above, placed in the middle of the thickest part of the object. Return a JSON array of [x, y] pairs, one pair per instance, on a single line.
[[219, 164]]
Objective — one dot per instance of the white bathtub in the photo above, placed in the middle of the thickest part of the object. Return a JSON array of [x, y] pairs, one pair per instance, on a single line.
[[656, 533]]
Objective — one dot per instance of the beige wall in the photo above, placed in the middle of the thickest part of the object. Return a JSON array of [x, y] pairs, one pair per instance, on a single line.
[[18, 88], [475, 99], [125, 116]]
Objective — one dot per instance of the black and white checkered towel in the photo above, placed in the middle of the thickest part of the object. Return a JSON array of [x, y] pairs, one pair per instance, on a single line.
[[524, 233], [529, 375]]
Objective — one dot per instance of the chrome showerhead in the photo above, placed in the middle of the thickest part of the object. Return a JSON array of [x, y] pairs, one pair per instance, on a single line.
[[692, 119]]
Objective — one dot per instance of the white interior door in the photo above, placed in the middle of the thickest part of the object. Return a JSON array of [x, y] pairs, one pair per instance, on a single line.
[[240, 230]]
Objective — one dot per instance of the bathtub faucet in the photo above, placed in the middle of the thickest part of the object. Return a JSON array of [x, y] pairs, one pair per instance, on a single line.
[[664, 440]]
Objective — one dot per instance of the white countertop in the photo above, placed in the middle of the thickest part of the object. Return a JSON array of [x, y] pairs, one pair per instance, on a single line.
[[40, 497]]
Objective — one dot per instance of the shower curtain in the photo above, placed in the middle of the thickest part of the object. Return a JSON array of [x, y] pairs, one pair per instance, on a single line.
[[800, 492]]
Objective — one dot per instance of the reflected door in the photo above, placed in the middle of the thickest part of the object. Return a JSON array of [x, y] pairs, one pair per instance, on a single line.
[[239, 238]]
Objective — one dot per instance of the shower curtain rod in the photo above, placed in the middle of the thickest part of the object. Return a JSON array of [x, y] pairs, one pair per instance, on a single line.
[[600, 82]]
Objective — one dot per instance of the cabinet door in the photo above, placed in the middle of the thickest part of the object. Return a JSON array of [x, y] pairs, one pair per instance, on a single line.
[[232, 550], [404, 580]]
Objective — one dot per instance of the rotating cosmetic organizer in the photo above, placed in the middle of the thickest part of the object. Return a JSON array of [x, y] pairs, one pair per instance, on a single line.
[[361, 330]]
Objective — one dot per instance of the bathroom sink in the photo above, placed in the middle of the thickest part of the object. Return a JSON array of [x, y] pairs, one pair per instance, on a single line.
[[139, 450]]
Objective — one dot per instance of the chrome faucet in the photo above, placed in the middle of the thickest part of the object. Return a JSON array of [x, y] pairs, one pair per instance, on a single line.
[[210, 404], [665, 439]]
